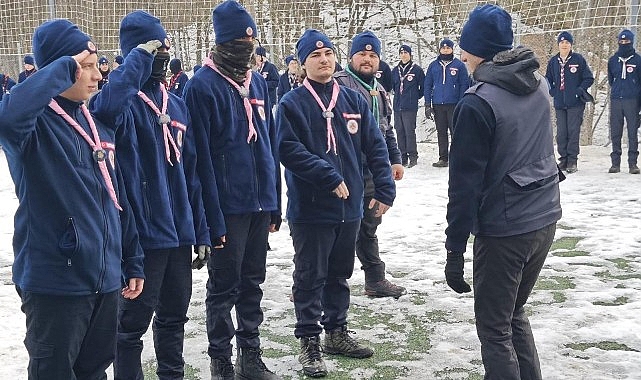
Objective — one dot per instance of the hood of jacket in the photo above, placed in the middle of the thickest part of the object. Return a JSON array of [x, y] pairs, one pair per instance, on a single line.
[[513, 70]]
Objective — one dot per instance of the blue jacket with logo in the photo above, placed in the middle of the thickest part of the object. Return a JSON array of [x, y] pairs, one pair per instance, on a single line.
[[237, 177], [270, 74], [312, 173], [411, 76], [166, 202], [630, 86], [445, 82], [70, 239], [576, 74]]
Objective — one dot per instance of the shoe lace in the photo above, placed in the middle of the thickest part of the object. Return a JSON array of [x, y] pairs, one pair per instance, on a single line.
[[259, 361], [225, 367], [313, 349]]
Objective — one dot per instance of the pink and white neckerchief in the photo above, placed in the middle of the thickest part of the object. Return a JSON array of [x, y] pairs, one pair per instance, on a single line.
[[400, 74], [562, 63], [327, 112], [164, 120], [243, 92], [99, 154], [173, 79]]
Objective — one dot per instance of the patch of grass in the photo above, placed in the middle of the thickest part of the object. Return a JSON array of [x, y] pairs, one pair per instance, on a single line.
[[617, 302], [365, 317], [606, 275], [570, 253], [563, 227], [621, 263], [449, 373], [436, 316], [567, 243], [603, 345], [418, 299], [559, 297], [554, 283], [397, 274], [149, 371], [418, 339]]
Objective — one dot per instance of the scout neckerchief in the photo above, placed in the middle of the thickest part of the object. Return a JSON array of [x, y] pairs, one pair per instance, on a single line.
[[623, 68], [99, 154], [163, 120], [444, 65], [403, 76], [372, 91], [173, 79], [243, 92], [327, 111]]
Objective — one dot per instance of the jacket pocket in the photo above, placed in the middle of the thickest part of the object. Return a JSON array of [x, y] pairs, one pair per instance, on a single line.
[[528, 190], [68, 242]]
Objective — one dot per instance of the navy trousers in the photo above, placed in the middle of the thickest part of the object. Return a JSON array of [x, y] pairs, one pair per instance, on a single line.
[[505, 271], [323, 261], [627, 109], [568, 133], [70, 337], [405, 124], [235, 275], [367, 244], [444, 120], [166, 293]]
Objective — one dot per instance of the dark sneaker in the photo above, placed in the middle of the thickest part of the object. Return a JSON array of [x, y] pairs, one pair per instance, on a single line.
[[339, 342], [571, 168], [634, 169], [250, 365], [221, 368], [440, 164], [384, 288], [614, 169], [404, 160], [413, 162], [310, 357], [563, 165]]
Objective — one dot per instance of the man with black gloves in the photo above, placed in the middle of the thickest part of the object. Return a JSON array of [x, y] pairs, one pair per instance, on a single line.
[[326, 133], [503, 188], [361, 75], [234, 131], [569, 77], [164, 193]]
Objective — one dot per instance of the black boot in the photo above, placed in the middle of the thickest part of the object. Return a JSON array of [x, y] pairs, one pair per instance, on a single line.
[[310, 357], [338, 342], [221, 368], [404, 159], [250, 366]]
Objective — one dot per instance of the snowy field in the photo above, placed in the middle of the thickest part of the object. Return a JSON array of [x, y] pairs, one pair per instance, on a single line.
[[585, 310]]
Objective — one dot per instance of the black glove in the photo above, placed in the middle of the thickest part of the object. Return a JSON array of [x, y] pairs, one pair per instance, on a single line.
[[276, 220], [429, 113], [202, 255], [584, 96], [454, 272]]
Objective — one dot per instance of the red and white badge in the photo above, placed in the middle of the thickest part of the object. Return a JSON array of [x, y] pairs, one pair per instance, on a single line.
[[410, 77], [352, 126], [574, 68], [319, 44], [167, 42], [453, 71], [261, 112], [630, 68], [249, 31]]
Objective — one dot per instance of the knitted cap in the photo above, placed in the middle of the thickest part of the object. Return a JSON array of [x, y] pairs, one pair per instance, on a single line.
[[446, 42], [487, 31], [232, 21], [565, 36], [405, 48], [28, 60], [139, 27], [311, 40], [365, 41], [58, 38], [626, 34]]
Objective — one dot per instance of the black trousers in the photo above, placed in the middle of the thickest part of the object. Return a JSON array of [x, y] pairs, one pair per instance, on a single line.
[[568, 133], [235, 275], [367, 245], [323, 261], [627, 109], [166, 293], [405, 124], [70, 337], [444, 120], [505, 271]]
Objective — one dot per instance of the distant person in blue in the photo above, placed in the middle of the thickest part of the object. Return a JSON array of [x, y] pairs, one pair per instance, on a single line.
[[624, 77], [158, 159], [408, 78], [384, 76], [118, 60], [6, 83], [196, 68], [103, 67], [287, 80], [29, 68], [269, 71], [240, 176], [76, 250], [178, 77], [503, 188], [327, 133], [569, 77], [446, 81]]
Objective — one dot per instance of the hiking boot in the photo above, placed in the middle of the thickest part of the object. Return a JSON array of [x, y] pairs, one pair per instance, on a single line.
[[563, 165], [250, 365], [221, 368], [310, 357], [571, 168], [440, 164], [404, 160], [383, 288], [634, 169], [413, 162], [614, 169], [339, 342]]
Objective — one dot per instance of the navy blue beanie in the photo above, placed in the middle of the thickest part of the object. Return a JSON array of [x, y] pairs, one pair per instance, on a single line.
[[487, 31], [565, 36], [103, 60], [139, 27], [311, 40], [626, 34], [289, 58], [119, 59], [365, 41], [58, 38], [261, 51], [446, 42], [28, 60], [175, 66], [406, 48], [232, 21]]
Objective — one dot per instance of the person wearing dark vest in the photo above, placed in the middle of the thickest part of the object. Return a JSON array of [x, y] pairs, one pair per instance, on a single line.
[[408, 78], [360, 75], [624, 77], [164, 193], [326, 134], [6, 83], [446, 81], [103, 67], [29, 68], [76, 248], [269, 71], [569, 77], [178, 77], [234, 133], [503, 188], [287, 80]]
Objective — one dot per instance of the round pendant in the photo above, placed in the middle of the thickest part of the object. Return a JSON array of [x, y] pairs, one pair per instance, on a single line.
[[163, 119], [373, 92], [244, 93], [99, 155], [328, 114]]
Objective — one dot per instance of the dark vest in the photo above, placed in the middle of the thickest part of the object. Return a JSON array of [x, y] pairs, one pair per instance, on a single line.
[[384, 105]]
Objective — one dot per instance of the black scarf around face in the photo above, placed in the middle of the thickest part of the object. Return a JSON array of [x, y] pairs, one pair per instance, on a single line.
[[446, 57], [159, 67], [233, 58], [625, 50]]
